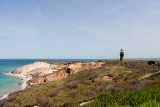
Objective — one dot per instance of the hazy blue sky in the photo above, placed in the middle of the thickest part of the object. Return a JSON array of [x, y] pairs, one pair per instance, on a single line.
[[79, 28]]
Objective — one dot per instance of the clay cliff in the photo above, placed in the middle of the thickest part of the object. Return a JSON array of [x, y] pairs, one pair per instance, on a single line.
[[44, 71]]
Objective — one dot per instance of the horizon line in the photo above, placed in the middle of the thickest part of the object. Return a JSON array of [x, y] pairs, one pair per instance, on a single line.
[[78, 58]]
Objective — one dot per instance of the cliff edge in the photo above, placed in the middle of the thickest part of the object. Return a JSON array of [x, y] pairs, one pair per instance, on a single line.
[[106, 83], [44, 71]]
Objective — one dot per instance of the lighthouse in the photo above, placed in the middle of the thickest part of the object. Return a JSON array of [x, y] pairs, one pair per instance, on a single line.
[[121, 55]]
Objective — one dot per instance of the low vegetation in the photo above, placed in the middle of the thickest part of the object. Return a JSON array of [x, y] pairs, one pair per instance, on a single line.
[[50, 62], [141, 98], [129, 83]]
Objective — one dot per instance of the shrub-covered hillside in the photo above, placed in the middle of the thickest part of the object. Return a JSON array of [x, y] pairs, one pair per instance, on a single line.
[[129, 83]]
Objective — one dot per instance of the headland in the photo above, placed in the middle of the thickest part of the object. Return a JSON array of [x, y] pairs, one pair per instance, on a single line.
[[80, 83]]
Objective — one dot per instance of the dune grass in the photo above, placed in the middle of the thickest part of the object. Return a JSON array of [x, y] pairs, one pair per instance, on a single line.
[[140, 98]]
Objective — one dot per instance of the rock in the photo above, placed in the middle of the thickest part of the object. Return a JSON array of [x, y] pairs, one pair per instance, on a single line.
[[85, 103], [19, 83], [151, 62], [107, 78]]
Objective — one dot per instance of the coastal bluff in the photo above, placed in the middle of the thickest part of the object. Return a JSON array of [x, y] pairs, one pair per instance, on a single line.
[[44, 71], [70, 84]]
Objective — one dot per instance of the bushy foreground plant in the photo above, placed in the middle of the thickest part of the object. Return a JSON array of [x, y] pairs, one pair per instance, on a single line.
[[73, 84], [43, 101], [53, 93], [137, 98]]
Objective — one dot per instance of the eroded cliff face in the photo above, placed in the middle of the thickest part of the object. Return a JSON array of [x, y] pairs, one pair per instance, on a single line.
[[40, 72], [28, 70]]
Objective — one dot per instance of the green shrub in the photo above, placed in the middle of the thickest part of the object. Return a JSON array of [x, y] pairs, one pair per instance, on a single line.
[[87, 82], [53, 93], [136, 98], [74, 92], [73, 84], [88, 93], [43, 101], [8, 104], [68, 102]]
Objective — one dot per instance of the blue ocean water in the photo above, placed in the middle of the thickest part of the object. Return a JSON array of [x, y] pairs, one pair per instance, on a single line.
[[8, 65]]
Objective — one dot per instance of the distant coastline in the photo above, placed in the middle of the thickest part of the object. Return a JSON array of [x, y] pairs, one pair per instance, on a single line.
[[77, 59]]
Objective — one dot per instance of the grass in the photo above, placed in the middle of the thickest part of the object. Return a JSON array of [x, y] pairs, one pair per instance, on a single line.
[[152, 103], [141, 98]]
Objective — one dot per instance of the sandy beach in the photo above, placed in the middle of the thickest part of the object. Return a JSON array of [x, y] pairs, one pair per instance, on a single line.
[[5, 93]]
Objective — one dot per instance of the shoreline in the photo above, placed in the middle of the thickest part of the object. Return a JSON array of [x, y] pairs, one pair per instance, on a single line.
[[23, 85]]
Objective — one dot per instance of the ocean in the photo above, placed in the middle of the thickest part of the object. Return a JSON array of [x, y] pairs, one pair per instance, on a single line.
[[9, 83]]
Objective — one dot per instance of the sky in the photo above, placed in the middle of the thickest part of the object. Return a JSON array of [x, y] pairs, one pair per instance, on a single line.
[[81, 29]]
